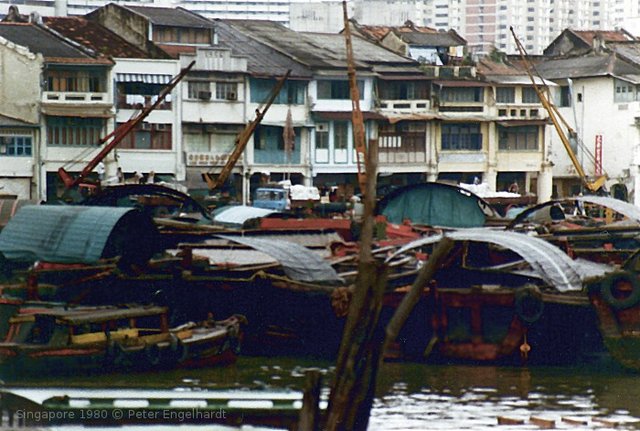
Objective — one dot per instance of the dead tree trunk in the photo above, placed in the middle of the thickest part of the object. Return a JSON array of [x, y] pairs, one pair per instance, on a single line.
[[361, 348]]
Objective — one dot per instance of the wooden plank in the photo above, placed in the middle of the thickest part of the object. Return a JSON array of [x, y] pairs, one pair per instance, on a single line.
[[575, 421], [503, 420], [543, 423]]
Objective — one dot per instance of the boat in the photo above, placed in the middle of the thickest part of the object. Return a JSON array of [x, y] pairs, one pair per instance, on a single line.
[[65, 340], [597, 228], [616, 301], [505, 297]]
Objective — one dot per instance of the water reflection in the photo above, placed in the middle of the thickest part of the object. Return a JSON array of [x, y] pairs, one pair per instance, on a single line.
[[418, 396]]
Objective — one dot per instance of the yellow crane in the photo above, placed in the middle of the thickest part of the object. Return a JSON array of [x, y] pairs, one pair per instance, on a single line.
[[243, 138], [556, 118]]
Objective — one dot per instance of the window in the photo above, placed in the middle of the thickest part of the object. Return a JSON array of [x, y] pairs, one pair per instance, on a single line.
[[624, 92], [463, 136], [394, 90], [133, 94], [520, 138], [462, 94], [199, 90], [341, 135], [322, 143], [292, 93], [333, 89], [505, 94], [226, 91], [89, 81], [340, 141], [565, 96], [148, 136], [182, 35], [15, 146], [529, 95], [74, 131]]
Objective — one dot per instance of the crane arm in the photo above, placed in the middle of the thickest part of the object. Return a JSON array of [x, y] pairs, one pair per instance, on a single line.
[[118, 134], [243, 137], [556, 119], [357, 119]]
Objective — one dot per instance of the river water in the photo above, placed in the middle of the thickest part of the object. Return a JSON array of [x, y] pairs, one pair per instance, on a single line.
[[412, 396]]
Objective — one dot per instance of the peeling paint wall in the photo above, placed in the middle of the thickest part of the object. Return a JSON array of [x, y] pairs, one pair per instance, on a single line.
[[20, 89]]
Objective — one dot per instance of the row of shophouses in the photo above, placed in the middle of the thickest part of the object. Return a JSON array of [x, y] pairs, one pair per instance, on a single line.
[[66, 82]]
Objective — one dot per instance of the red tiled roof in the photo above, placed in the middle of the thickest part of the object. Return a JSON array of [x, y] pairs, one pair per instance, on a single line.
[[94, 36], [606, 35]]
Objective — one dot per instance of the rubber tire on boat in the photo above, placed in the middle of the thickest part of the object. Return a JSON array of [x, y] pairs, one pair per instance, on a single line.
[[180, 351], [152, 355], [528, 303], [607, 287]]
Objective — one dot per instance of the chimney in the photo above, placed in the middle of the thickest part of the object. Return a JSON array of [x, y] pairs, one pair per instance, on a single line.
[[35, 18], [598, 44], [60, 8]]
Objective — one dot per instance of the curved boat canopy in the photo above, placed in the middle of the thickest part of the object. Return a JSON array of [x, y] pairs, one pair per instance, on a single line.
[[78, 234], [548, 262], [435, 204]]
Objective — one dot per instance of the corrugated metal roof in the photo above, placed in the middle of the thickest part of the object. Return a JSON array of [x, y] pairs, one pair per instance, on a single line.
[[169, 16], [316, 50], [76, 234], [262, 60], [298, 262], [585, 66], [38, 40], [548, 262]]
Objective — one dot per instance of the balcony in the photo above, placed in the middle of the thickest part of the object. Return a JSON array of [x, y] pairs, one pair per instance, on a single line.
[[209, 159], [70, 97], [405, 106]]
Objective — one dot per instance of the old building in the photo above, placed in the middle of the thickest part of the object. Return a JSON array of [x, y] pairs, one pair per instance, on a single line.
[[62, 87], [139, 77]]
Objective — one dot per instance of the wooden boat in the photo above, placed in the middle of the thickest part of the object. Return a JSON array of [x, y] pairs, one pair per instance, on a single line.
[[596, 228], [505, 297], [96, 338], [616, 300]]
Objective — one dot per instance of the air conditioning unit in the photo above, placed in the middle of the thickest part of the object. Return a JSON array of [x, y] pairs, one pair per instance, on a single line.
[[204, 95], [322, 127], [232, 95]]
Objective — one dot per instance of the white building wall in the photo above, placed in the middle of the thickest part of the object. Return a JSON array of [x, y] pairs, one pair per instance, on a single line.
[[615, 122], [144, 161]]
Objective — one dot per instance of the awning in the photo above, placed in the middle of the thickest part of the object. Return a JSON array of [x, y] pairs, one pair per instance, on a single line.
[[143, 77], [517, 123]]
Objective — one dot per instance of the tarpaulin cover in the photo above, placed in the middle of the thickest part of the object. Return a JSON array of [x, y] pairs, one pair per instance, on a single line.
[[434, 204], [298, 262], [548, 262]]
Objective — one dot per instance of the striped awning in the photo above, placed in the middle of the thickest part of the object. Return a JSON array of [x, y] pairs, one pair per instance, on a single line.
[[144, 78]]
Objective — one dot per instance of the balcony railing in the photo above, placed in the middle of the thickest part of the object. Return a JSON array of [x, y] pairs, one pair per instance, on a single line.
[[74, 97]]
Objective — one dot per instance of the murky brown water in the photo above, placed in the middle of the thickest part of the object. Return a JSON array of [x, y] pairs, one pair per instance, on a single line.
[[419, 396]]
